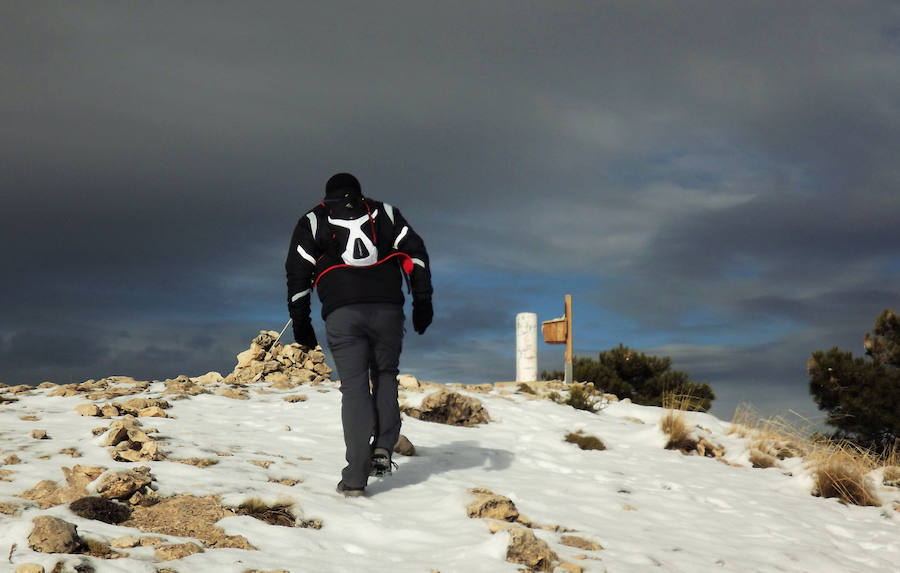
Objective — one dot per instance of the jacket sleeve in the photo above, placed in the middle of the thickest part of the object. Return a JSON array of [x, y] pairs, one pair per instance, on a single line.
[[406, 240], [300, 266]]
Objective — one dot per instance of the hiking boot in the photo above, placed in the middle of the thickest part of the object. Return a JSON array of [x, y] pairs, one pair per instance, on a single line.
[[350, 491], [381, 463]]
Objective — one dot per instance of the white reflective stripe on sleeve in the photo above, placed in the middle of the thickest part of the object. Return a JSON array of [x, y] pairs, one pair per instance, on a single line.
[[313, 223], [305, 255], [419, 262], [390, 211], [400, 237], [299, 295]]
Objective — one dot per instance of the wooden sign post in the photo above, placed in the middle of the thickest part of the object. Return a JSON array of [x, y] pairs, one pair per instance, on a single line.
[[559, 331]]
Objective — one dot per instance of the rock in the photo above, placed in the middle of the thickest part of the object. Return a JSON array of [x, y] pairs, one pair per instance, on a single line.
[[246, 357], [526, 549], [571, 567], [404, 447], [53, 535], [322, 369], [39, 434], [177, 551], [208, 378], [116, 435], [152, 412], [302, 375], [279, 380], [47, 493], [109, 411], [80, 476], [185, 386], [235, 393], [136, 405], [125, 542], [121, 485], [30, 568], [452, 408], [295, 398], [491, 506], [87, 410], [409, 382], [580, 543], [100, 509], [317, 356]]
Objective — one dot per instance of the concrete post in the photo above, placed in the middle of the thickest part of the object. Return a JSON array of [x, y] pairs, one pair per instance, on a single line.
[[526, 347]]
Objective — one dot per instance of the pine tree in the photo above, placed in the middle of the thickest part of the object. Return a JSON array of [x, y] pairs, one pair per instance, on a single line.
[[862, 397], [644, 379]]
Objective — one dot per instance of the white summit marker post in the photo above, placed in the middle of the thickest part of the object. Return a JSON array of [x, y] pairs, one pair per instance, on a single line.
[[526, 347]]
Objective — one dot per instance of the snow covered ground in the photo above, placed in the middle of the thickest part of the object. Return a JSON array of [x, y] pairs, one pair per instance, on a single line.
[[649, 508]]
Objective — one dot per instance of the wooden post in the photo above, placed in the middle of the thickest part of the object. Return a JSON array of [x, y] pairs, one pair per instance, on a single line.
[[568, 369]]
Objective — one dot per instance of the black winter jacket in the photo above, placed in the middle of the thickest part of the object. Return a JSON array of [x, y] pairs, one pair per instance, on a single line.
[[354, 250]]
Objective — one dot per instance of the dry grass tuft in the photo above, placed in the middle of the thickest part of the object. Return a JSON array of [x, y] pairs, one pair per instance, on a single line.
[[840, 471], [771, 439], [673, 425], [278, 513], [584, 441]]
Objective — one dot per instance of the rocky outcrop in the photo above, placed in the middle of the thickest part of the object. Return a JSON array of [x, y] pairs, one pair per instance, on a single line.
[[281, 366], [53, 535], [452, 408], [123, 485], [48, 493]]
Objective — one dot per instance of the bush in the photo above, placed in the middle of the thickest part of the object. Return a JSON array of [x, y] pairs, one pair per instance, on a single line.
[[584, 441], [862, 397], [646, 380]]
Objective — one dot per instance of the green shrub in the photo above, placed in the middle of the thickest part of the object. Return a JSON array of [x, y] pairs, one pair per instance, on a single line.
[[644, 379]]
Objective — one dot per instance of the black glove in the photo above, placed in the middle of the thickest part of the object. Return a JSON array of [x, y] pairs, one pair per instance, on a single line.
[[423, 312], [304, 334]]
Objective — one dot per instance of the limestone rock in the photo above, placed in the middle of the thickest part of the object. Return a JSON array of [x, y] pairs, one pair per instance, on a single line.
[[580, 543], [526, 549], [186, 386], [279, 381], [491, 506], [404, 447], [109, 411], [177, 551], [136, 405], [409, 382], [295, 398], [152, 412], [121, 485], [53, 535], [125, 542], [208, 378], [87, 410], [452, 408], [39, 434], [235, 393], [30, 568]]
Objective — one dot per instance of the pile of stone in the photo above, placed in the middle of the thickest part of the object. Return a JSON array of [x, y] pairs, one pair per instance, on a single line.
[[281, 366]]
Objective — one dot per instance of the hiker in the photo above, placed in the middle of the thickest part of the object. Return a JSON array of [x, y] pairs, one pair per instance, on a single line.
[[356, 252]]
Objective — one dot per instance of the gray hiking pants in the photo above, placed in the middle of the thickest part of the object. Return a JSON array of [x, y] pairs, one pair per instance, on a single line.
[[365, 340]]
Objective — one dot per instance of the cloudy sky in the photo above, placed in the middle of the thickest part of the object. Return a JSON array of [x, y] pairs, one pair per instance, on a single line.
[[715, 182]]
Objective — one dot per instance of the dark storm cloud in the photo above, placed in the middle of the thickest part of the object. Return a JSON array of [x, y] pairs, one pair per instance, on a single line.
[[693, 171]]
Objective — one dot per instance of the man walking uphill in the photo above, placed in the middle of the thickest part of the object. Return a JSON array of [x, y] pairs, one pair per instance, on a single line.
[[355, 252]]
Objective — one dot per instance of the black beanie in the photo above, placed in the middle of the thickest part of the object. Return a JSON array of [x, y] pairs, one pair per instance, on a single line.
[[340, 182]]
